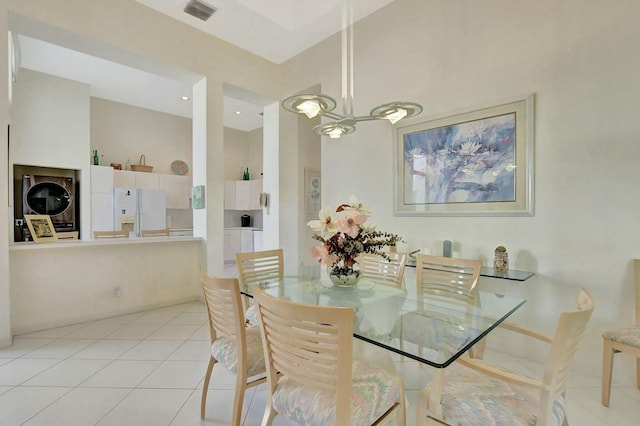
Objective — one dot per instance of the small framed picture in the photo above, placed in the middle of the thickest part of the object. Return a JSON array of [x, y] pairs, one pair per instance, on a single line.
[[41, 228]]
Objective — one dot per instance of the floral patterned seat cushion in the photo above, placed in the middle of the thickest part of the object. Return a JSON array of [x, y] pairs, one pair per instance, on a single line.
[[438, 335], [628, 336], [373, 392], [252, 315], [224, 350], [473, 398]]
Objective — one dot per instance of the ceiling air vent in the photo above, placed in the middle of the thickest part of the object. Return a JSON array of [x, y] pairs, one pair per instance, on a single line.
[[199, 9]]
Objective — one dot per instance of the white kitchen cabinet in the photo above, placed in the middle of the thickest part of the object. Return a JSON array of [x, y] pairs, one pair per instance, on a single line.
[[177, 190], [101, 198], [124, 179], [146, 180], [235, 241], [101, 211], [255, 190], [102, 179], [140, 180], [242, 194], [182, 192]]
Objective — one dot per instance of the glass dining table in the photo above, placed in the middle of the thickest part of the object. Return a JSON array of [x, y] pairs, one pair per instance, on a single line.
[[434, 329]]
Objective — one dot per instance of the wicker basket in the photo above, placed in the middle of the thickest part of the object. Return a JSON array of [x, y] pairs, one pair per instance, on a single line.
[[142, 167]]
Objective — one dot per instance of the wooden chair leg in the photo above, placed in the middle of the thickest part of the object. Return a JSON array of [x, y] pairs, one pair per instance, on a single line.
[[638, 372], [205, 387], [269, 415], [607, 368], [422, 410], [238, 400]]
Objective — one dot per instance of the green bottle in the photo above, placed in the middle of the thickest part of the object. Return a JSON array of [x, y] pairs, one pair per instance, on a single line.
[[96, 159]]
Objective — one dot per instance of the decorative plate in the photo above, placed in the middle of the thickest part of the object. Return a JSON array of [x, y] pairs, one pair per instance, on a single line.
[[179, 167]]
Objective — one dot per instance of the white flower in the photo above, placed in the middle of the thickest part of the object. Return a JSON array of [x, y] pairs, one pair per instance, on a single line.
[[368, 227], [326, 226], [357, 206]]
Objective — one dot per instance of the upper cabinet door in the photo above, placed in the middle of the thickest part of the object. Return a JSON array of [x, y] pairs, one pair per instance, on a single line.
[[124, 179], [167, 183], [146, 180], [182, 192], [243, 195], [256, 190], [102, 179]]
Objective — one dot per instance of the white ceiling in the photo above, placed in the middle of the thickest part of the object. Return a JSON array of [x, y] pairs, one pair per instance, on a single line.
[[276, 30], [273, 29]]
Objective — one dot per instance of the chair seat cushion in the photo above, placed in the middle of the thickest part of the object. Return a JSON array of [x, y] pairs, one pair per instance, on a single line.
[[473, 398], [446, 336], [251, 315], [224, 350], [373, 392], [629, 336]]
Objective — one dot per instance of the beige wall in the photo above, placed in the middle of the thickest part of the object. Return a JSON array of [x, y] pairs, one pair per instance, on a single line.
[[577, 57], [124, 132]]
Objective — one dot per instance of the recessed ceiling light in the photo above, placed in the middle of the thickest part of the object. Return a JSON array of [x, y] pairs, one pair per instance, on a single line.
[[237, 112], [185, 98]]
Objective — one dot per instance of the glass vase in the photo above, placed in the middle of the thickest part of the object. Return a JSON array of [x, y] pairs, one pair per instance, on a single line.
[[342, 276]]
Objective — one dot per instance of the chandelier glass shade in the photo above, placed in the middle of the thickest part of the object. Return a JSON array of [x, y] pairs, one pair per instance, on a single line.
[[312, 105]]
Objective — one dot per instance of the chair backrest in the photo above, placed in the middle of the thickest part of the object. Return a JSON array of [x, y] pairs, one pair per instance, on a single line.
[[569, 332], [154, 233], [388, 270], [311, 345], [636, 270], [67, 235], [447, 275], [224, 308], [254, 267], [110, 234]]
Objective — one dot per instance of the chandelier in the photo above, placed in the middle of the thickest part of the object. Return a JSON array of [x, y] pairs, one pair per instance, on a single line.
[[313, 105]]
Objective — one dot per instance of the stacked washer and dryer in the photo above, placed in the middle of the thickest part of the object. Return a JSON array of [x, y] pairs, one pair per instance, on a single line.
[[49, 195]]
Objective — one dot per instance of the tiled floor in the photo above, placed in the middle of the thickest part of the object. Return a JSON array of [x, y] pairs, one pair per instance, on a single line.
[[147, 369]]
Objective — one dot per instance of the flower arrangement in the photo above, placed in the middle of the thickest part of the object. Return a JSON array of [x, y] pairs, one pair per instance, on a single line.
[[345, 237]]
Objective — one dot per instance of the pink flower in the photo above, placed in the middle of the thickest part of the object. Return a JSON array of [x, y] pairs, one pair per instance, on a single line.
[[322, 254], [350, 225]]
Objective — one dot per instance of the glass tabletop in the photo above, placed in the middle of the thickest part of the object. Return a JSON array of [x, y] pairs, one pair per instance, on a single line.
[[433, 329]]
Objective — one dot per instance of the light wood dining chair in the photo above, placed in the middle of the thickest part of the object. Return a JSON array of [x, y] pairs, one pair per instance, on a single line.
[[389, 270], [451, 280], [474, 391], [447, 275], [311, 375], [154, 233], [110, 234], [257, 266], [622, 340], [235, 345]]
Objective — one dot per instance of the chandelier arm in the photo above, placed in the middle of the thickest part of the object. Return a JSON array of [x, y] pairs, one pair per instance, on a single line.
[[332, 115], [368, 118]]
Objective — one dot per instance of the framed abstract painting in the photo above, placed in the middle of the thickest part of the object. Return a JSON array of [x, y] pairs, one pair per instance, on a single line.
[[476, 163]]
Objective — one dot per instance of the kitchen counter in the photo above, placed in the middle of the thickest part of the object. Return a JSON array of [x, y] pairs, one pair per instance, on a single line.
[[62, 244], [66, 282], [251, 228]]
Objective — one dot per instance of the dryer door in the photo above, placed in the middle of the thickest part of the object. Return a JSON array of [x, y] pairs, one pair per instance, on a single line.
[[48, 198]]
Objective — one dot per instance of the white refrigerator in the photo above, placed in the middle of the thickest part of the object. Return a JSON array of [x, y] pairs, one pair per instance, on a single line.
[[137, 209]]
